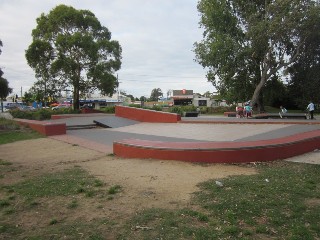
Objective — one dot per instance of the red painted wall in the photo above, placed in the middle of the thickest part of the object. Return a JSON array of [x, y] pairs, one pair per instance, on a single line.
[[45, 128], [220, 152], [146, 115]]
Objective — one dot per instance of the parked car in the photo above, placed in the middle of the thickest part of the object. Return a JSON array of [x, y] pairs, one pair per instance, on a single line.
[[62, 105], [11, 106]]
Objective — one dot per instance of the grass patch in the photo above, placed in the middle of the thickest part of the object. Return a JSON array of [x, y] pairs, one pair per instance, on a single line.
[[9, 137], [35, 195], [10, 132], [114, 189], [272, 203], [286, 206], [157, 223], [64, 183], [4, 163], [73, 204]]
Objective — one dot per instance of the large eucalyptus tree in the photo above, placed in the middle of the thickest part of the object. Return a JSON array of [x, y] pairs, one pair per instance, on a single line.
[[71, 48], [246, 43]]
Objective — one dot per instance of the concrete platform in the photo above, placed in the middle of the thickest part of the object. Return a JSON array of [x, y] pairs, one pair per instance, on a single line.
[[203, 129]]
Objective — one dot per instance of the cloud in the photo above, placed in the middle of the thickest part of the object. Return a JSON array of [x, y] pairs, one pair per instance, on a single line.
[[156, 37]]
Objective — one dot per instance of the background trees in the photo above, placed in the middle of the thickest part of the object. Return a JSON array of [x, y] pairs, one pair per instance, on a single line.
[[4, 85], [71, 48], [156, 93], [247, 43]]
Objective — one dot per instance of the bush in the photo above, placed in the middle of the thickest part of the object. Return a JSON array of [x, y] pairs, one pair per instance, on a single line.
[[111, 109], [16, 113], [181, 109], [41, 114], [156, 108]]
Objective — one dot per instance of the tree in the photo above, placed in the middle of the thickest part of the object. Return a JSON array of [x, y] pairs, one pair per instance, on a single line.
[[156, 93], [143, 99], [4, 90], [4, 85], [304, 81], [1, 73], [71, 48], [246, 43], [40, 56]]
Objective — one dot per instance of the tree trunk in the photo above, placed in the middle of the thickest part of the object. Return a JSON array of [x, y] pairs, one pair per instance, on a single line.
[[76, 89], [255, 101], [76, 98]]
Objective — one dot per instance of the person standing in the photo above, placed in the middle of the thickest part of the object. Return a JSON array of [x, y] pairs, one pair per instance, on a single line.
[[248, 110], [282, 111], [310, 108]]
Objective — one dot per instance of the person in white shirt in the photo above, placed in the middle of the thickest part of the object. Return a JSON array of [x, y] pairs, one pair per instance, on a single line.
[[282, 111], [310, 108]]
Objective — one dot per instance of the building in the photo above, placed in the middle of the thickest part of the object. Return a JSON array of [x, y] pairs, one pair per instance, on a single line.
[[182, 97], [98, 102], [187, 97]]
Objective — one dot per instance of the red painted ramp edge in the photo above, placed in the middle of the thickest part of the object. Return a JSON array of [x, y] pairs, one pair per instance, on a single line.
[[220, 152]]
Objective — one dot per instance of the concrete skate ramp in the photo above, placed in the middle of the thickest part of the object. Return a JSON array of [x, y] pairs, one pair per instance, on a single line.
[[114, 122]]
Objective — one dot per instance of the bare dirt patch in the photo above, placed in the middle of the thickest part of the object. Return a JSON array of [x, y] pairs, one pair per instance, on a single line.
[[145, 183]]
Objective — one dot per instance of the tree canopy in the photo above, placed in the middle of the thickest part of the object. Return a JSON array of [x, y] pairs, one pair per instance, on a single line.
[[156, 93], [4, 85], [1, 73], [247, 43], [71, 48]]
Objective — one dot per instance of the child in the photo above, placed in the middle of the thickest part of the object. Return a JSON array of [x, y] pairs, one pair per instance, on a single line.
[[248, 110]]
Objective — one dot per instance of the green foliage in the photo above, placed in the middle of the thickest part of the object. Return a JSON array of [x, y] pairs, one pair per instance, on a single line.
[[66, 183], [114, 189], [70, 47], [246, 44], [181, 109], [5, 90], [280, 202], [156, 93], [156, 108], [18, 135], [35, 194], [7, 124], [111, 109], [269, 202], [41, 114]]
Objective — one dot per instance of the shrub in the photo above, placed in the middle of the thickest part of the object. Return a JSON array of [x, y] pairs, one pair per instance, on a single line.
[[181, 109], [109, 109], [157, 108], [41, 114]]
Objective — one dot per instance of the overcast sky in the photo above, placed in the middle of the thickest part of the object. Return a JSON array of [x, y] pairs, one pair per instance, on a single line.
[[156, 37]]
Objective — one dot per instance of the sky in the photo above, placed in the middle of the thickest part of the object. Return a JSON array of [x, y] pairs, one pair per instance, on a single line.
[[156, 37]]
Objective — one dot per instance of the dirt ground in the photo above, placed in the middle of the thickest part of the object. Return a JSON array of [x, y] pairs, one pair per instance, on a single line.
[[144, 183], [166, 183]]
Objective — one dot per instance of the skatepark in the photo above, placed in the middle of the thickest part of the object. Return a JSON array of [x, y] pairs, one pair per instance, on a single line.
[[197, 139]]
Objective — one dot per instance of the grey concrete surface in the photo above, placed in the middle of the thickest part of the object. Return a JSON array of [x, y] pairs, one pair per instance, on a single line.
[[212, 130]]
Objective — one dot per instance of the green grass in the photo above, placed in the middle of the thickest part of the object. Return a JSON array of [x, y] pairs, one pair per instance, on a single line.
[[10, 132], [30, 196], [274, 204], [114, 189], [64, 183], [282, 201], [10, 137]]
